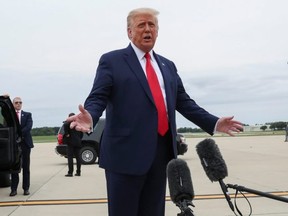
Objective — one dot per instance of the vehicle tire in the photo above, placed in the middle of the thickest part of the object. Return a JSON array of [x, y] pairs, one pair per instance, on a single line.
[[88, 155], [5, 180]]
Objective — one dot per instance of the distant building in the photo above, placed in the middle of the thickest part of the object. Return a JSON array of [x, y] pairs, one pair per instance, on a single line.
[[255, 128]]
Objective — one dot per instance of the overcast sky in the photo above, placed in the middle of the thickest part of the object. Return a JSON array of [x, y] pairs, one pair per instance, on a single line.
[[231, 54]]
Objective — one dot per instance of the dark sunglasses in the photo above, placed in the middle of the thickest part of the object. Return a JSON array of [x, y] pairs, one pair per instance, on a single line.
[[18, 102]]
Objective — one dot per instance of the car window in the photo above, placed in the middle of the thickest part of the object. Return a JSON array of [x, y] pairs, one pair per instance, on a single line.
[[7, 113], [5, 116], [2, 122]]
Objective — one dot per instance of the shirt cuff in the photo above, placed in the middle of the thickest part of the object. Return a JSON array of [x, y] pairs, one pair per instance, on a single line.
[[214, 131]]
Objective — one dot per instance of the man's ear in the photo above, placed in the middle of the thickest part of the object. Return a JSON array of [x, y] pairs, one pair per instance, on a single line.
[[129, 33]]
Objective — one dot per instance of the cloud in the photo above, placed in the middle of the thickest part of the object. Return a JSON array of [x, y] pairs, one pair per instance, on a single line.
[[254, 94], [231, 55]]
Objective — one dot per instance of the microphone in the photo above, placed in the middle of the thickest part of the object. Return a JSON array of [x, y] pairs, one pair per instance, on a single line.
[[180, 185], [214, 165]]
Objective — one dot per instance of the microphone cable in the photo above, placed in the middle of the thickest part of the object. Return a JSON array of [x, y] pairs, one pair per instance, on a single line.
[[235, 198]]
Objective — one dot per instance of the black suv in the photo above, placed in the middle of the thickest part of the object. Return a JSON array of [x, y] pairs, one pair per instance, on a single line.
[[90, 144], [10, 138]]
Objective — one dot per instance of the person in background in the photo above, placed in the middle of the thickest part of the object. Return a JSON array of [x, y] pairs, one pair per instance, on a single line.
[[286, 137], [72, 138], [26, 123], [141, 92]]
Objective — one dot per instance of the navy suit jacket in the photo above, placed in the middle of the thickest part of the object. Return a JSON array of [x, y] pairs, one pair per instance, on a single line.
[[26, 126], [129, 140]]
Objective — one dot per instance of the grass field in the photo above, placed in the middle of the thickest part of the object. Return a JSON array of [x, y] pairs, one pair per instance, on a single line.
[[44, 139], [53, 138]]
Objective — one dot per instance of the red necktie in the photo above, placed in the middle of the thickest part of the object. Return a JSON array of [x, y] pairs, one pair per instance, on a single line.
[[17, 113], [157, 96]]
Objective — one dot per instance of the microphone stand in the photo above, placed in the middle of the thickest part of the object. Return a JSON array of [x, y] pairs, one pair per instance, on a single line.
[[184, 207], [271, 196], [226, 194]]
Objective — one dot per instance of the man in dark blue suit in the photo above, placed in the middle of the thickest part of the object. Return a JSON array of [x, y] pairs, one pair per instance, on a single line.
[[26, 122], [134, 153]]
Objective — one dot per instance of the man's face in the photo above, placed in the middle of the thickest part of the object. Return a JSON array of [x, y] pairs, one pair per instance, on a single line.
[[17, 103], [143, 31]]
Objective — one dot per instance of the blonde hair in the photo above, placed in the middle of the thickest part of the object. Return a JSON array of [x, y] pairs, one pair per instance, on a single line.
[[138, 11]]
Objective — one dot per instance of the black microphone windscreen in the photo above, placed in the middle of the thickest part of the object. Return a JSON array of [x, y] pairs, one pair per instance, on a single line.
[[212, 160], [179, 181]]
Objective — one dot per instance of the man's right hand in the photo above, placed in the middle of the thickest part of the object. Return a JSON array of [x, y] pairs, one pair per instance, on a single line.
[[82, 121]]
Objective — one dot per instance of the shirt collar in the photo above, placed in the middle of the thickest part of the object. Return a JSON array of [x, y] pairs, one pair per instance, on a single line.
[[140, 54]]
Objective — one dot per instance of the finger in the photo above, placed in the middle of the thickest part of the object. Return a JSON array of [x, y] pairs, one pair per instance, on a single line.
[[80, 128], [238, 126], [235, 129], [230, 133], [81, 109], [237, 122], [71, 118], [229, 118], [73, 124]]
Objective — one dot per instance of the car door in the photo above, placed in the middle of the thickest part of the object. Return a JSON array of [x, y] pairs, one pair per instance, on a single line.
[[10, 138]]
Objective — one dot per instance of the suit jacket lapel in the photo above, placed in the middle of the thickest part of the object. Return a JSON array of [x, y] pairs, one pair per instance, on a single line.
[[166, 78], [136, 68]]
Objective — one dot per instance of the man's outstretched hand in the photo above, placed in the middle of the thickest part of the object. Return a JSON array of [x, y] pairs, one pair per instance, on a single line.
[[228, 125], [82, 121]]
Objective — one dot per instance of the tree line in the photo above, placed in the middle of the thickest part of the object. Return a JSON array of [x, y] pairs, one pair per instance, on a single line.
[[47, 131], [44, 131], [275, 126]]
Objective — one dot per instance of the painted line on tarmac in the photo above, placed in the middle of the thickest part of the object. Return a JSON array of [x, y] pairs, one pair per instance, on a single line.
[[54, 202], [104, 200]]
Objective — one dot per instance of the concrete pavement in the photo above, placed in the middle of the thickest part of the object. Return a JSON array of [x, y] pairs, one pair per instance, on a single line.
[[259, 163]]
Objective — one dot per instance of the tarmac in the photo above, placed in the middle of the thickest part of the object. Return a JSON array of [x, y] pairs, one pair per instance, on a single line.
[[255, 162]]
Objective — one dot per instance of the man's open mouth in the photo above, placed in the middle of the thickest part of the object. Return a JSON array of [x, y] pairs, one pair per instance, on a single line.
[[147, 37]]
